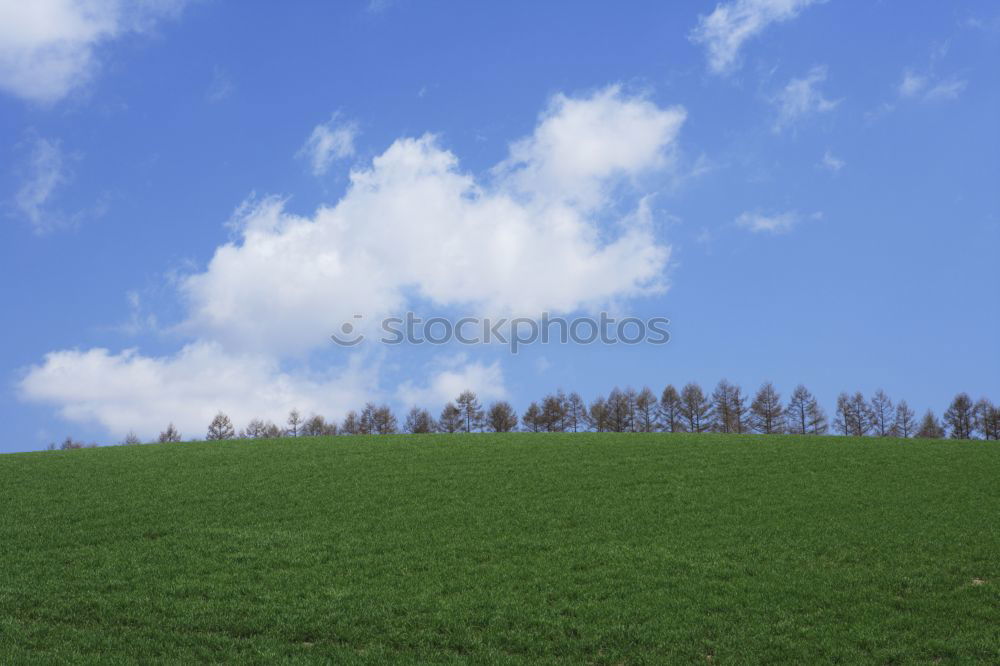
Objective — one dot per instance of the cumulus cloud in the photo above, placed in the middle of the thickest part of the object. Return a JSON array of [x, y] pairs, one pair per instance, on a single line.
[[545, 230], [329, 141], [802, 97], [130, 392], [777, 223], [47, 47], [731, 24], [524, 240], [445, 384]]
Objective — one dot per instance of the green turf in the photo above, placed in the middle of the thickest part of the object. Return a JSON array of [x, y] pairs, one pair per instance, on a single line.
[[516, 548]]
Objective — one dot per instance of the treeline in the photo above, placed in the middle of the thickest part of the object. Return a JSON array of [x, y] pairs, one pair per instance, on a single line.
[[727, 409]]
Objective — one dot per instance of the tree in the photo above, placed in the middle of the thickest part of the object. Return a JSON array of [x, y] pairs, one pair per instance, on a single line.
[[69, 444], [131, 439], [930, 428], [501, 417], [351, 424], [621, 407], [882, 413], [554, 412], [960, 417], [366, 420], [987, 419], [169, 435], [316, 426], [294, 421], [253, 430], [670, 410], [451, 418], [576, 412], [220, 428], [597, 414], [646, 411], [695, 408], [270, 431], [903, 424], [472, 411], [797, 411], [532, 420], [854, 416], [767, 416], [738, 411], [384, 421], [419, 422], [816, 419]]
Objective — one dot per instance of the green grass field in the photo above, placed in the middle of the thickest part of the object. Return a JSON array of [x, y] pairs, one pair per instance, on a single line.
[[522, 548]]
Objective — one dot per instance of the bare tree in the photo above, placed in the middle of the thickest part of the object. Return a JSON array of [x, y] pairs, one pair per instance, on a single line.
[[532, 420], [646, 411], [854, 416], [621, 407], [903, 424], [451, 418], [131, 439], [695, 408], [384, 421], [253, 430], [294, 421], [366, 419], [501, 417], [987, 419], [816, 419], [670, 410], [351, 424], [576, 412], [930, 428], [960, 417], [472, 411], [316, 426], [797, 411], [554, 415], [882, 413], [597, 414], [419, 422], [220, 428], [170, 435], [767, 416], [69, 444]]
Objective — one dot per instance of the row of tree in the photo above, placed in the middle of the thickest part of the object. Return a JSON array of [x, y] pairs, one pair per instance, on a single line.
[[727, 409]]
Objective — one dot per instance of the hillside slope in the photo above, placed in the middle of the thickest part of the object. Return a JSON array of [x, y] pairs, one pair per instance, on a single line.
[[504, 548]]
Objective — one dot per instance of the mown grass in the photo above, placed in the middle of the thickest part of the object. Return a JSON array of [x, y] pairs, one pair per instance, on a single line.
[[514, 548]]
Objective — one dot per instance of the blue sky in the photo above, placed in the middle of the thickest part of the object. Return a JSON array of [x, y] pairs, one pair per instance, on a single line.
[[194, 194]]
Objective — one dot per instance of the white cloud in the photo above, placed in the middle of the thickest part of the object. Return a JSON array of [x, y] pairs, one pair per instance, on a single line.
[[929, 89], [485, 380], [129, 391], [47, 47], [778, 223], [724, 31], [526, 240], [542, 231], [46, 171], [329, 141], [832, 162], [802, 97]]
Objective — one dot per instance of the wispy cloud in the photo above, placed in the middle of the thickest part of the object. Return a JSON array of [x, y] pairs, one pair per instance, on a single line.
[[221, 86], [777, 223], [46, 171], [731, 24], [329, 141], [832, 162], [802, 97]]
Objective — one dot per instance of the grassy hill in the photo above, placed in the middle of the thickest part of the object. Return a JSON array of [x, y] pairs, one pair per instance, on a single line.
[[513, 548]]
